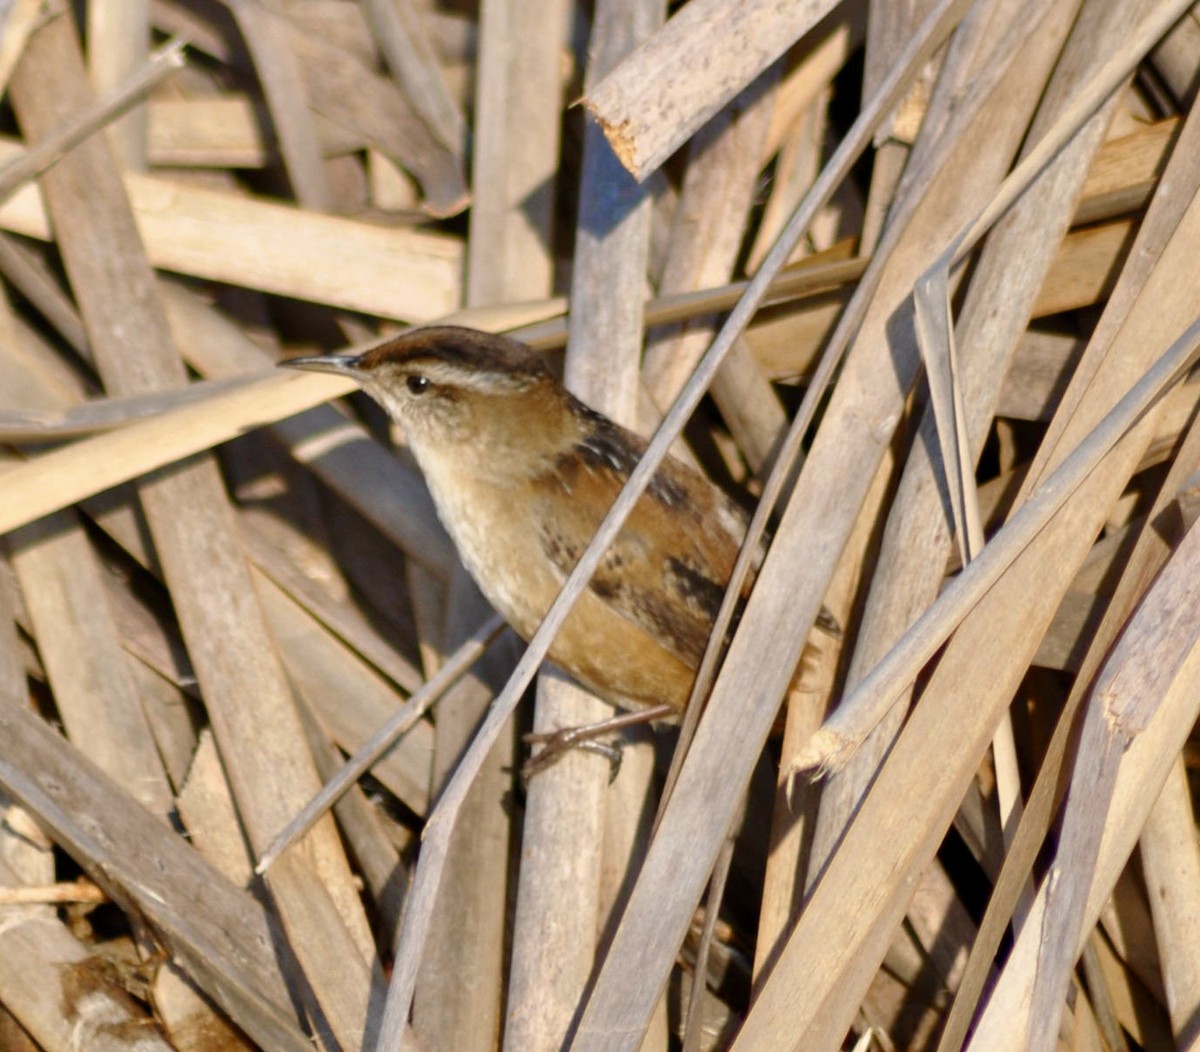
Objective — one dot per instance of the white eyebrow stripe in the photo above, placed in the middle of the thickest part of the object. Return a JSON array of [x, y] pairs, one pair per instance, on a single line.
[[456, 376]]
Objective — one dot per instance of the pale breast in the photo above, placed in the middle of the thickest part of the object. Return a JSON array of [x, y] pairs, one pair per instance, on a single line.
[[498, 543], [493, 540]]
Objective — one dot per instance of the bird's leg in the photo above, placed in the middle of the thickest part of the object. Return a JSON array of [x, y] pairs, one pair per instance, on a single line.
[[813, 675], [555, 743]]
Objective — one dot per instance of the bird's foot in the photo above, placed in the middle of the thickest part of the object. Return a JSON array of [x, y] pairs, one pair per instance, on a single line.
[[556, 744]]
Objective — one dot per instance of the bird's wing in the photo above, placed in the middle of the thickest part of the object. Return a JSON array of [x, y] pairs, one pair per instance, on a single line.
[[667, 569]]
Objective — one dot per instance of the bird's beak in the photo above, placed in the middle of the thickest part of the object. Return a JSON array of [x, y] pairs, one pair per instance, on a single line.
[[340, 364]]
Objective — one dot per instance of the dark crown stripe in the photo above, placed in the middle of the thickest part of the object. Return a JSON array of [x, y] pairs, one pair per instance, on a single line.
[[461, 348]]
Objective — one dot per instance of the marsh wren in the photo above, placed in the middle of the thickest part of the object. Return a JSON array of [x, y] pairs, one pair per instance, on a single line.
[[522, 472]]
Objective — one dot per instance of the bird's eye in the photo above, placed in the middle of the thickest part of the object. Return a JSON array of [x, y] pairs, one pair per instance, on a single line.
[[417, 384]]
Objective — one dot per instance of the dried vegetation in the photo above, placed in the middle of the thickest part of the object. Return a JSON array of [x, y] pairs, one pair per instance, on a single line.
[[959, 382]]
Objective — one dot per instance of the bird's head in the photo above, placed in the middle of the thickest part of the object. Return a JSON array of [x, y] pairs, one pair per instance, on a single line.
[[450, 387]]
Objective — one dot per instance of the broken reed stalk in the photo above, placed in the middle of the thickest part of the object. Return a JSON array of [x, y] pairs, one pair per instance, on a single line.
[[902, 664], [66, 891], [647, 117]]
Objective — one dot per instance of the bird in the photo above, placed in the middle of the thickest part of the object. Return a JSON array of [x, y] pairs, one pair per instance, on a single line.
[[522, 473]]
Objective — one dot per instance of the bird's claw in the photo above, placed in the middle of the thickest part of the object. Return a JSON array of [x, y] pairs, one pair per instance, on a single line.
[[555, 744]]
